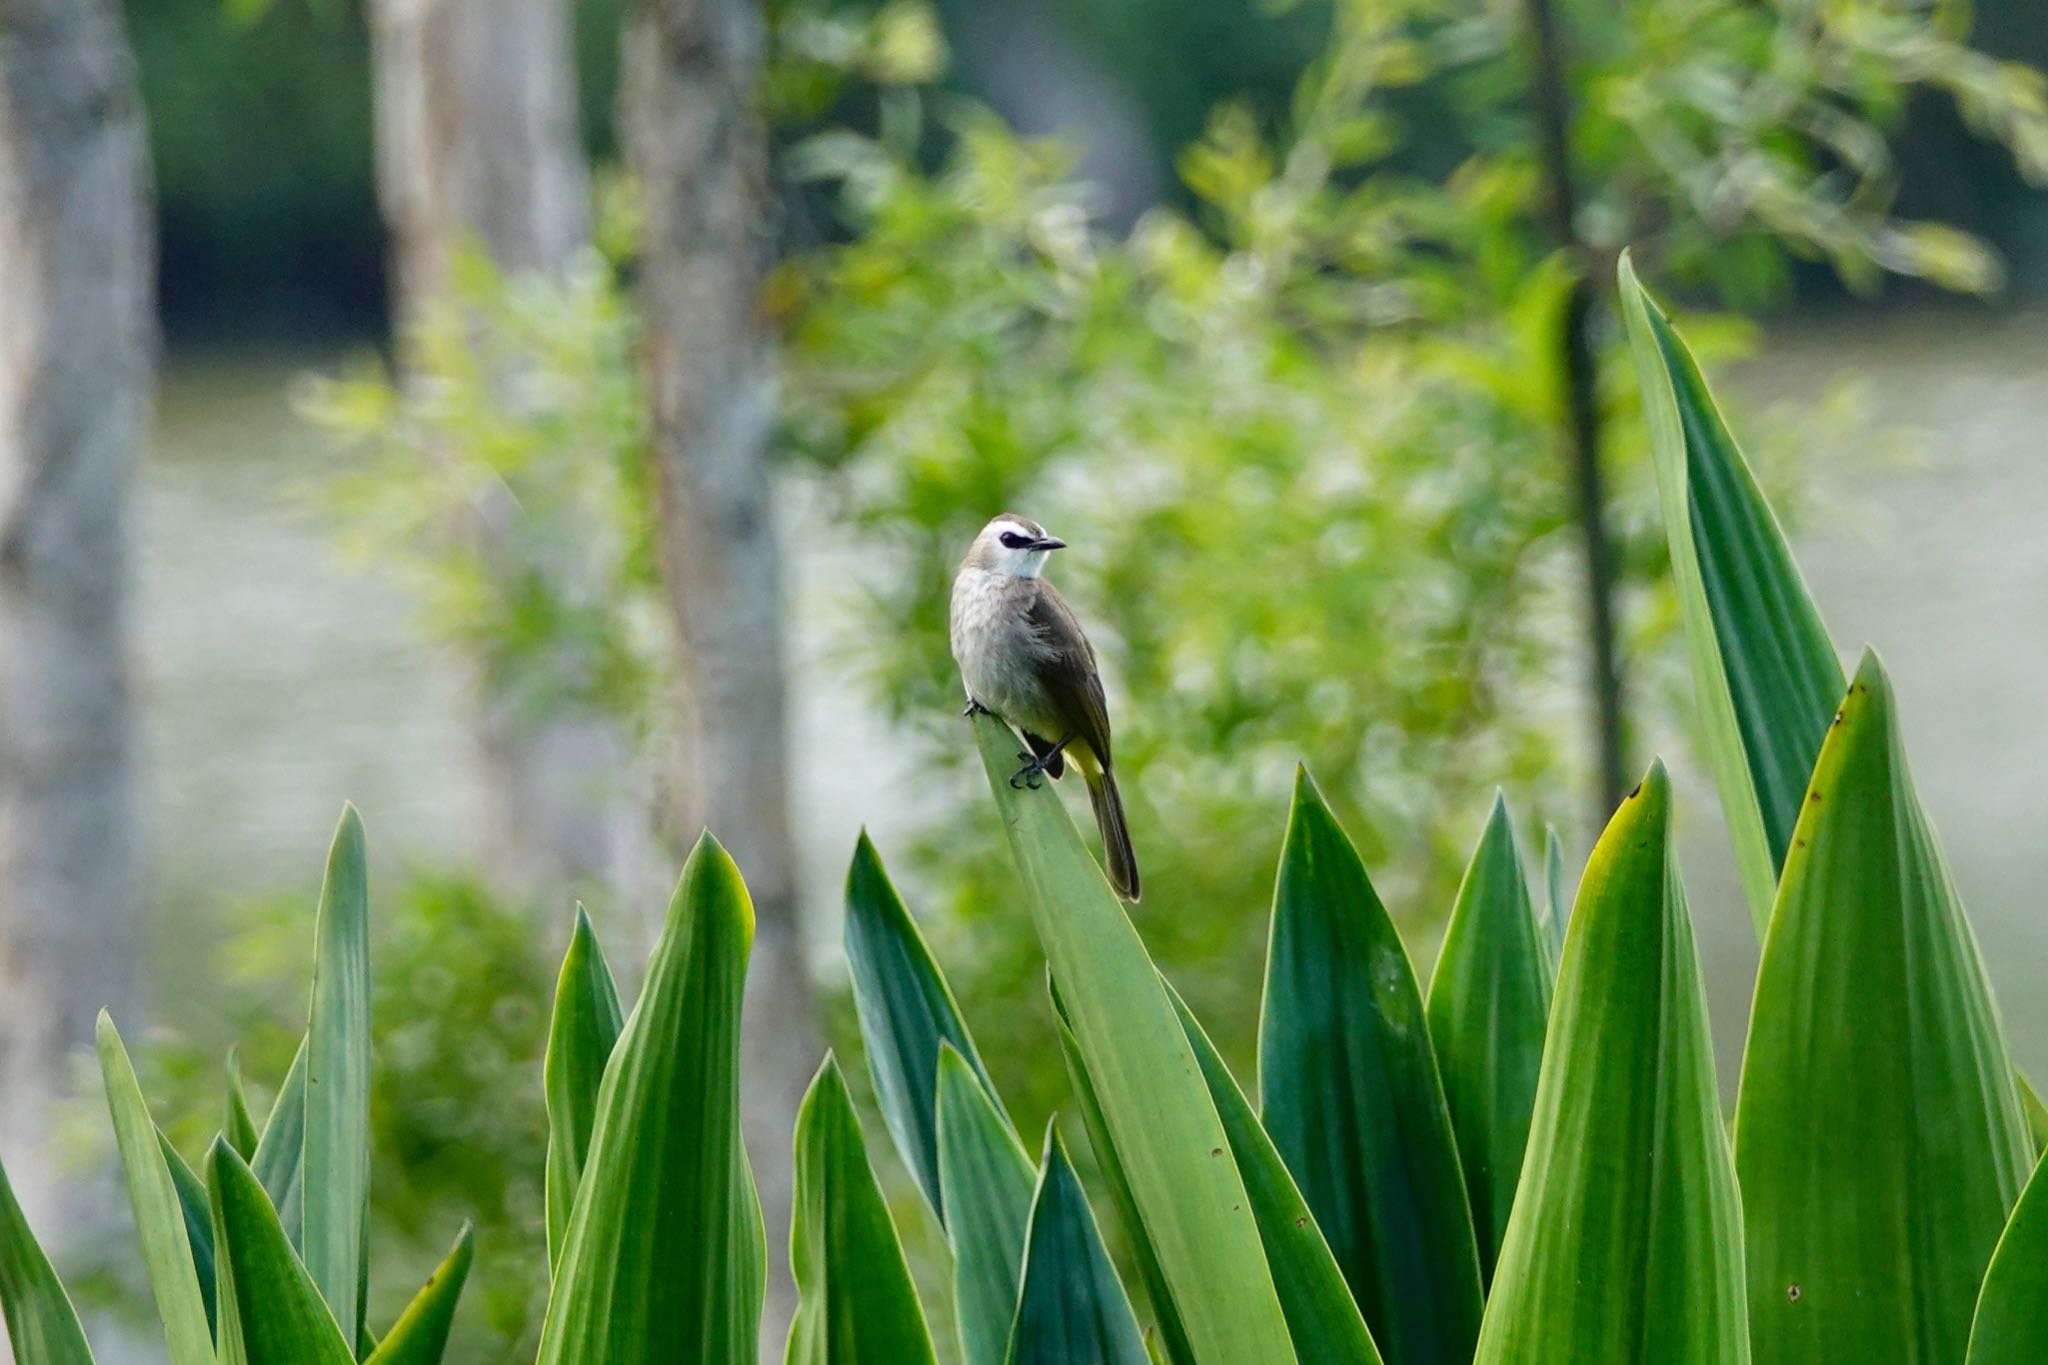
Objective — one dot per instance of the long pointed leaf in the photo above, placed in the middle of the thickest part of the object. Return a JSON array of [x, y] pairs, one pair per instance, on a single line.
[[581, 1035], [665, 1253], [159, 1219], [337, 1173], [238, 1127], [1626, 1240], [1874, 1022], [196, 1209], [987, 1180], [1765, 675], [1489, 1004], [41, 1324], [1322, 1317], [1157, 1110], [420, 1336], [1071, 1308], [855, 1301], [907, 1012], [1558, 890], [280, 1160], [2011, 1324], [1349, 1090], [272, 1312]]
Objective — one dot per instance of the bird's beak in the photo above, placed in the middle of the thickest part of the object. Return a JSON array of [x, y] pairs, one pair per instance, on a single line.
[[1048, 543]]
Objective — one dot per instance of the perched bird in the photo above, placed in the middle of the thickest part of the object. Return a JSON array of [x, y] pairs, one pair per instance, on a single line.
[[1023, 657]]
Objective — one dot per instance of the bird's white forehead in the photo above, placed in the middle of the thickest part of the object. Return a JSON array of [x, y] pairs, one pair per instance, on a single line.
[[1006, 522]]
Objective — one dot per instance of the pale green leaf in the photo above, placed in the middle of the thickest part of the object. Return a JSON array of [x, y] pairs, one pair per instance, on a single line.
[[337, 1159], [987, 1179]]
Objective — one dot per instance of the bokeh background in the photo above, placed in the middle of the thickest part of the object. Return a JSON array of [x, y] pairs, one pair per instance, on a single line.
[[1264, 306]]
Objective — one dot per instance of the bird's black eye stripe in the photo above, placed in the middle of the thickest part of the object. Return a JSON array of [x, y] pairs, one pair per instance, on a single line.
[[1015, 541]]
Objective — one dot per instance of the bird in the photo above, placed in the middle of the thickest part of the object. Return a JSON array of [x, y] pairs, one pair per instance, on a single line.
[[1025, 659]]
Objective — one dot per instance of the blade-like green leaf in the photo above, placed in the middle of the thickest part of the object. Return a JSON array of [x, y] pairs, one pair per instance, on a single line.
[[1157, 1111], [907, 1012], [420, 1336], [280, 1160], [2011, 1325], [987, 1179], [1626, 1240], [1322, 1316], [337, 1174], [1071, 1308], [41, 1323], [196, 1208], [1765, 675], [1349, 1090], [271, 1312], [2035, 1111], [1489, 1003], [1558, 890], [1873, 1018], [855, 1302], [584, 1029], [238, 1127], [665, 1255], [1172, 1340], [159, 1219]]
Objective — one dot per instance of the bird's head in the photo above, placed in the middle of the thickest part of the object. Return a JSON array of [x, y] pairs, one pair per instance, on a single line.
[[1013, 546]]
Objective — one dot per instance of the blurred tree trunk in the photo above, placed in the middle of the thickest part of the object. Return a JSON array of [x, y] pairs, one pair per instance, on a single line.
[[699, 147], [77, 352], [478, 147]]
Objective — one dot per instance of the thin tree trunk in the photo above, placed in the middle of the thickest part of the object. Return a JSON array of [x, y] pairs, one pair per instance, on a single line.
[[701, 151], [478, 146], [77, 351], [1550, 105]]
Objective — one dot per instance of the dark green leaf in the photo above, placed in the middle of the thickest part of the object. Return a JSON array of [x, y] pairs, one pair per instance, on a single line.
[[337, 1175], [1873, 1018], [855, 1301], [279, 1162], [1489, 1003], [271, 1312], [1765, 674], [1626, 1239], [907, 1012], [664, 1256], [987, 1179], [1349, 1092], [1071, 1308], [41, 1323], [581, 1035], [2011, 1325], [420, 1336], [196, 1208]]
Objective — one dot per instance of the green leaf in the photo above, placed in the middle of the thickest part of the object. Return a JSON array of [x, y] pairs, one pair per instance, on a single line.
[[1489, 1003], [987, 1179], [337, 1173], [907, 1013], [271, 1311], [1322, 1317], [420, 1336], [1626, 1240], [1557, 896], [1172, 1336], [2011, 1324], [1349, 1091], [196, 1208], [581, 1036], [280, 1160], [2036, 1112], [664, 1255], [1154, 1105], [1765, 675], [1071, 1308], [1873, 1018], [855, 1301], [159, 1218], [238, 1127], [41, 1323]]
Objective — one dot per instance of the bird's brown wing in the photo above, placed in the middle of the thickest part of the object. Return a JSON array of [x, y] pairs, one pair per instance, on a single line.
[[1067, 672]]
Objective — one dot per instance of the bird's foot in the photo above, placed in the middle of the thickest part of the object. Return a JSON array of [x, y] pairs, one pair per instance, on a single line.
[[975, 708], [1030, 773]]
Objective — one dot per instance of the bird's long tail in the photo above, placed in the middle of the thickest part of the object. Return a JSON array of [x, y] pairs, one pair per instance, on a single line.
[[1122, 863]]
